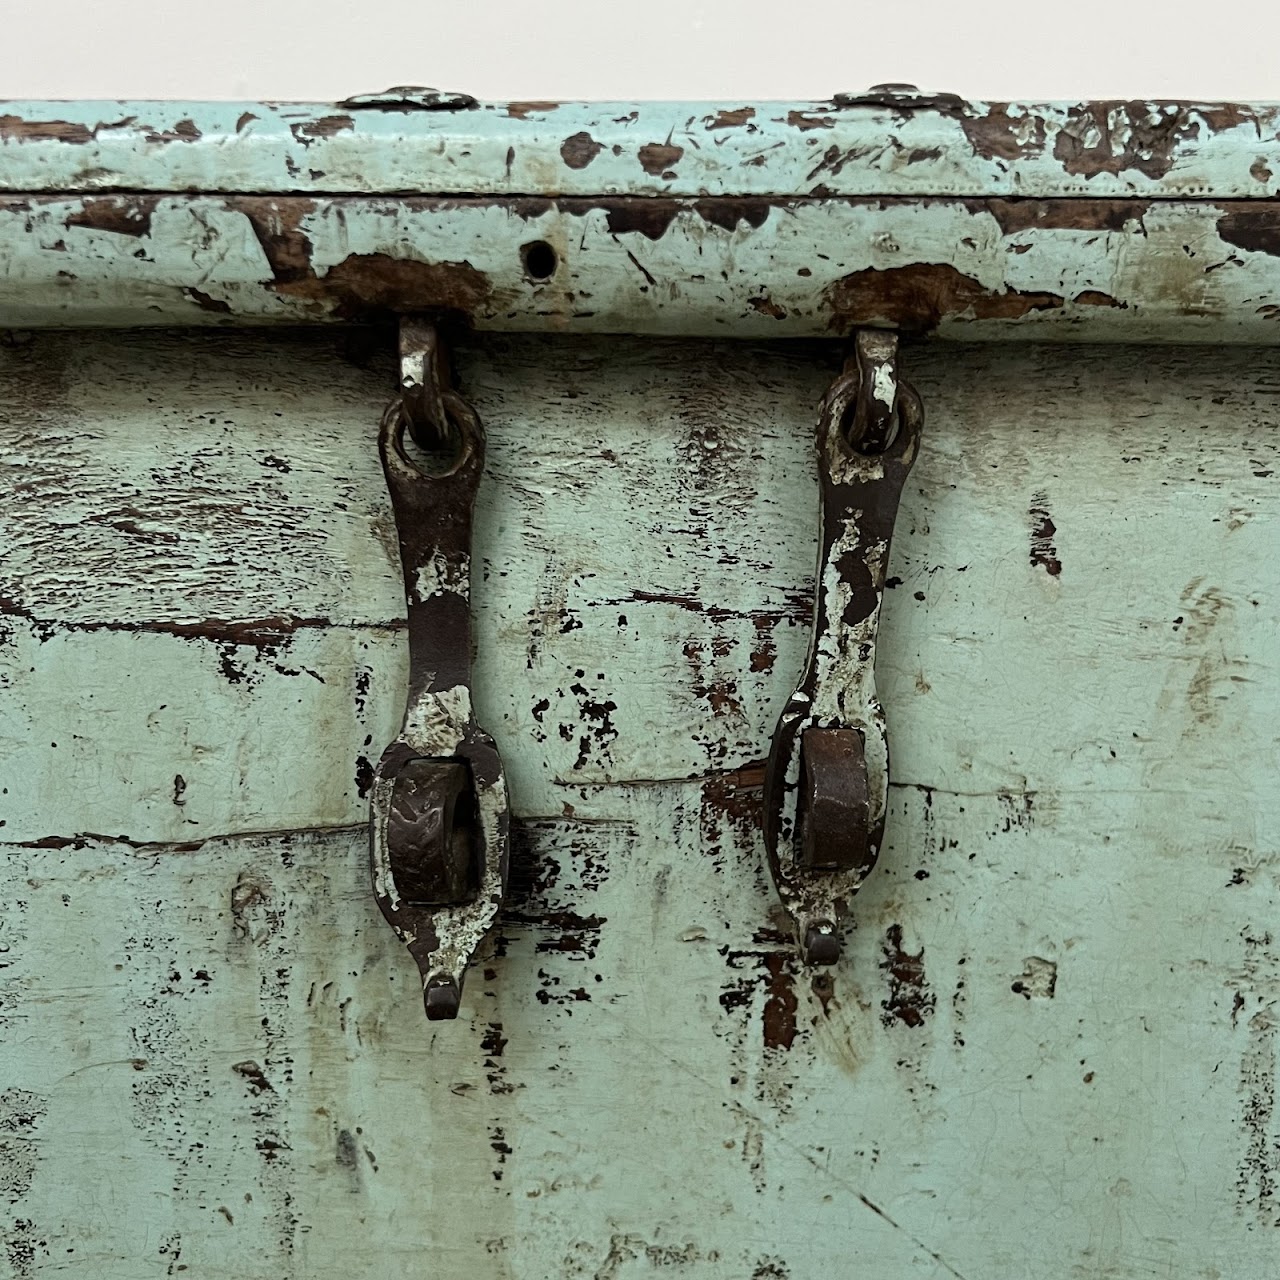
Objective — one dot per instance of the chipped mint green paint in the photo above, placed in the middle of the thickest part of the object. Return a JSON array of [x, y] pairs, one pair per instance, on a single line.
[[200, 262], [653, 148], [1050, 1049], [1082, 222]]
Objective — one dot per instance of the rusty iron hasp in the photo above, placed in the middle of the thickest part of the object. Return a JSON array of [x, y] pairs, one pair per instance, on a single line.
[[439, 820], [826, 785]]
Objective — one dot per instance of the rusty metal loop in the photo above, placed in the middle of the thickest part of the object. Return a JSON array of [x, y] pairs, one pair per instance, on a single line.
[[859, 430], [839, 402], [826, 781], [439, 819], [452, 446], [864, 398]]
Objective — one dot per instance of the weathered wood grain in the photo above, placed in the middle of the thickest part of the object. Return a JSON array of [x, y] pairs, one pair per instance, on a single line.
[[217, 1061], [646, 534], [1050, 1047]]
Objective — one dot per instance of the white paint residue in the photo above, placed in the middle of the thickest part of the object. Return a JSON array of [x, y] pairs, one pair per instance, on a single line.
[[384, 884], [461, 929], [884, 385], [437, 724], [850, 680], [440, 575]]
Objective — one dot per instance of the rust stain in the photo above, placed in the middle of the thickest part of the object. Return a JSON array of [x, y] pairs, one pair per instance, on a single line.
[[1044, 554], [364, 283], [1259, 170], [122, 215], [1253, 228], [83, 839], [904, 101], [1015, 215], [917, 298], [259, 633], [909, 1001], [579, 150], [997, 135], [780, 1003], [522, 110], [361, 285], [731, 119], [656, 158], [527, 208], [1112, 137]]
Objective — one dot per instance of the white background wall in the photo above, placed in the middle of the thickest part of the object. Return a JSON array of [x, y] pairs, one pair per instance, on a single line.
[[328, 49]]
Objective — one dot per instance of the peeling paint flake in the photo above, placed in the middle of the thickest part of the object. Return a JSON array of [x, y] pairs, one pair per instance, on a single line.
[[805, 120], [657, 159], [1256, 229], [731, 119], [1115, 137], [17, 129], [523, 110], [909, 1000], [580, 150], [121, 215], [322, 127], [1004, 132]]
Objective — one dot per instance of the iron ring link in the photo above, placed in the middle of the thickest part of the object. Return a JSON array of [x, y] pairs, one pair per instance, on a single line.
[[865, 432], [461, 425]]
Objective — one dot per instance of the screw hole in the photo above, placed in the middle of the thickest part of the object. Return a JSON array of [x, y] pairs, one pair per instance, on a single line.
[[540, 260]]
